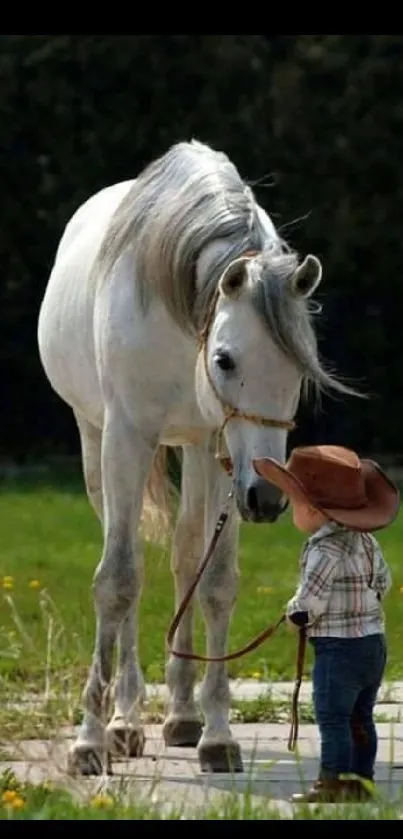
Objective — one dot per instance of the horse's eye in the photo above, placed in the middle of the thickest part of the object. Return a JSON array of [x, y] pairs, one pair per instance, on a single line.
[[224, 361]]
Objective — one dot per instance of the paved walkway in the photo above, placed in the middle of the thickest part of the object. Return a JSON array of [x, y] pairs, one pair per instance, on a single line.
[[172, 776]]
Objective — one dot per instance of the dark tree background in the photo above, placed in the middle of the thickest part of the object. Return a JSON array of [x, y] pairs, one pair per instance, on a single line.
[[314, 122]]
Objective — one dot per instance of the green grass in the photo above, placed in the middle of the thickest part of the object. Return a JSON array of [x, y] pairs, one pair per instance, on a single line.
[[49, 534], [45, 801]]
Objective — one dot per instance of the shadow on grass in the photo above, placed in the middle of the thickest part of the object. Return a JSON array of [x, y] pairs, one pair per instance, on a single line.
[[64, 476], [58, 473]]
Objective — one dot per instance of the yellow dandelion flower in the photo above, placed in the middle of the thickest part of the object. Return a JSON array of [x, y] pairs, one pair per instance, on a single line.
[[101, 801], [17, 803], [7, 582], [34, 584], [8, 796], [256, 674]]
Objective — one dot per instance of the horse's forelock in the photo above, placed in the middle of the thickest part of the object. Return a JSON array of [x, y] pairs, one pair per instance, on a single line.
[[288, 317]]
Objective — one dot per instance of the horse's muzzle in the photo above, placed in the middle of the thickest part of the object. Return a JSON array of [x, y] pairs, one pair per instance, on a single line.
[[260, 502]]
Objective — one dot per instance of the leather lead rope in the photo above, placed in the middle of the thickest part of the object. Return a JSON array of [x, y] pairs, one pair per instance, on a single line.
[[293, 736]]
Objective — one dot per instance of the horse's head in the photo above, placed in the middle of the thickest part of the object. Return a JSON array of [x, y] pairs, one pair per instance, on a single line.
[[256, 348]]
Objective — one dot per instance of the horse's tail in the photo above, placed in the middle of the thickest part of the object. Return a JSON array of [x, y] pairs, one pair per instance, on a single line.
[[156, 519]]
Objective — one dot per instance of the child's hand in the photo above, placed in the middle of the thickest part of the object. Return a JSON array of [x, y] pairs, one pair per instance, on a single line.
[[297, 620], [291, 626]]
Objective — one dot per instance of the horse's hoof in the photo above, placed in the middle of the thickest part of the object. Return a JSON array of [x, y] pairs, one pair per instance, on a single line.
[[124, 741], [84, 759], [177, 731], [220, 757]]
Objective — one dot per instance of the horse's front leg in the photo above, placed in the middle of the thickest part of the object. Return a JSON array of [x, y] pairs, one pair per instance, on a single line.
[[126, 460], [217, 750], [182, 726], [124, 736]]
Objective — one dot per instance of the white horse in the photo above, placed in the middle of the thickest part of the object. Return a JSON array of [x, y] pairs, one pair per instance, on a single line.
[[144, 269]]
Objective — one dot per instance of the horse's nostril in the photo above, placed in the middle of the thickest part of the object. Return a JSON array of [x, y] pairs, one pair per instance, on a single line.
[[252, 499], [263, 502]]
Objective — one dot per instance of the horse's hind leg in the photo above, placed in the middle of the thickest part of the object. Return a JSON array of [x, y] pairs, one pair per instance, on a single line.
[[125, 462], [182, 726], [91, 441]]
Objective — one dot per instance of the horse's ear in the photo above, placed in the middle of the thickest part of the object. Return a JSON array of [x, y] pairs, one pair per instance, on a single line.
[[307, 277], [233, 279]]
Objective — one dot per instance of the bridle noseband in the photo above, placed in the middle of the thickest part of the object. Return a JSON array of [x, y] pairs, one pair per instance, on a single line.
[[230, 411]]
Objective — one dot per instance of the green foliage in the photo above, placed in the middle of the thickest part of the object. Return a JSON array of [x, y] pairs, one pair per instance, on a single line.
[[319, 115]]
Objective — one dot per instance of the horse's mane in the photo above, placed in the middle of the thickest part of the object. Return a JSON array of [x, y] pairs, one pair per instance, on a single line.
[[181, 203], [178, 205]]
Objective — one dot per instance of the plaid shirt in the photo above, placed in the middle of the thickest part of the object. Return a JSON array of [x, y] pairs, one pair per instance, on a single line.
[[335, 587]]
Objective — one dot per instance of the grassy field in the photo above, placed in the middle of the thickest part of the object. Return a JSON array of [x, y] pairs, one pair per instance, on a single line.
[[50, 545]]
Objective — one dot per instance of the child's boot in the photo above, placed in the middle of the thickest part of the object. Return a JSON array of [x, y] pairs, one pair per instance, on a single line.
[[330, 791]]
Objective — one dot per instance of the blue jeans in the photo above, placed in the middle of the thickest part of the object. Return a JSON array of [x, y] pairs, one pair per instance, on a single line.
[[346, 678]]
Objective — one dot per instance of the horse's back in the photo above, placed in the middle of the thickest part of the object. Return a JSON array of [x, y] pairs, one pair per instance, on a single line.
[[93, 215], [65, 325]]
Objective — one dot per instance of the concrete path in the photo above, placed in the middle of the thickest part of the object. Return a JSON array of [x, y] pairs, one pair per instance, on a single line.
[[172, 777]]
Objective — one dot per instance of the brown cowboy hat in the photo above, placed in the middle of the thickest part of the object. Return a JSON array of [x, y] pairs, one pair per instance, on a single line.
[[352, 492]]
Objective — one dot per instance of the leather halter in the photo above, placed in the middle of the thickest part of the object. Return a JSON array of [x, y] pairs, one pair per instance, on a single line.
[[230, 411]]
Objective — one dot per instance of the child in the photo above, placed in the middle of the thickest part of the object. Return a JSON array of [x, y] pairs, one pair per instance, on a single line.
[[338, 500]]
